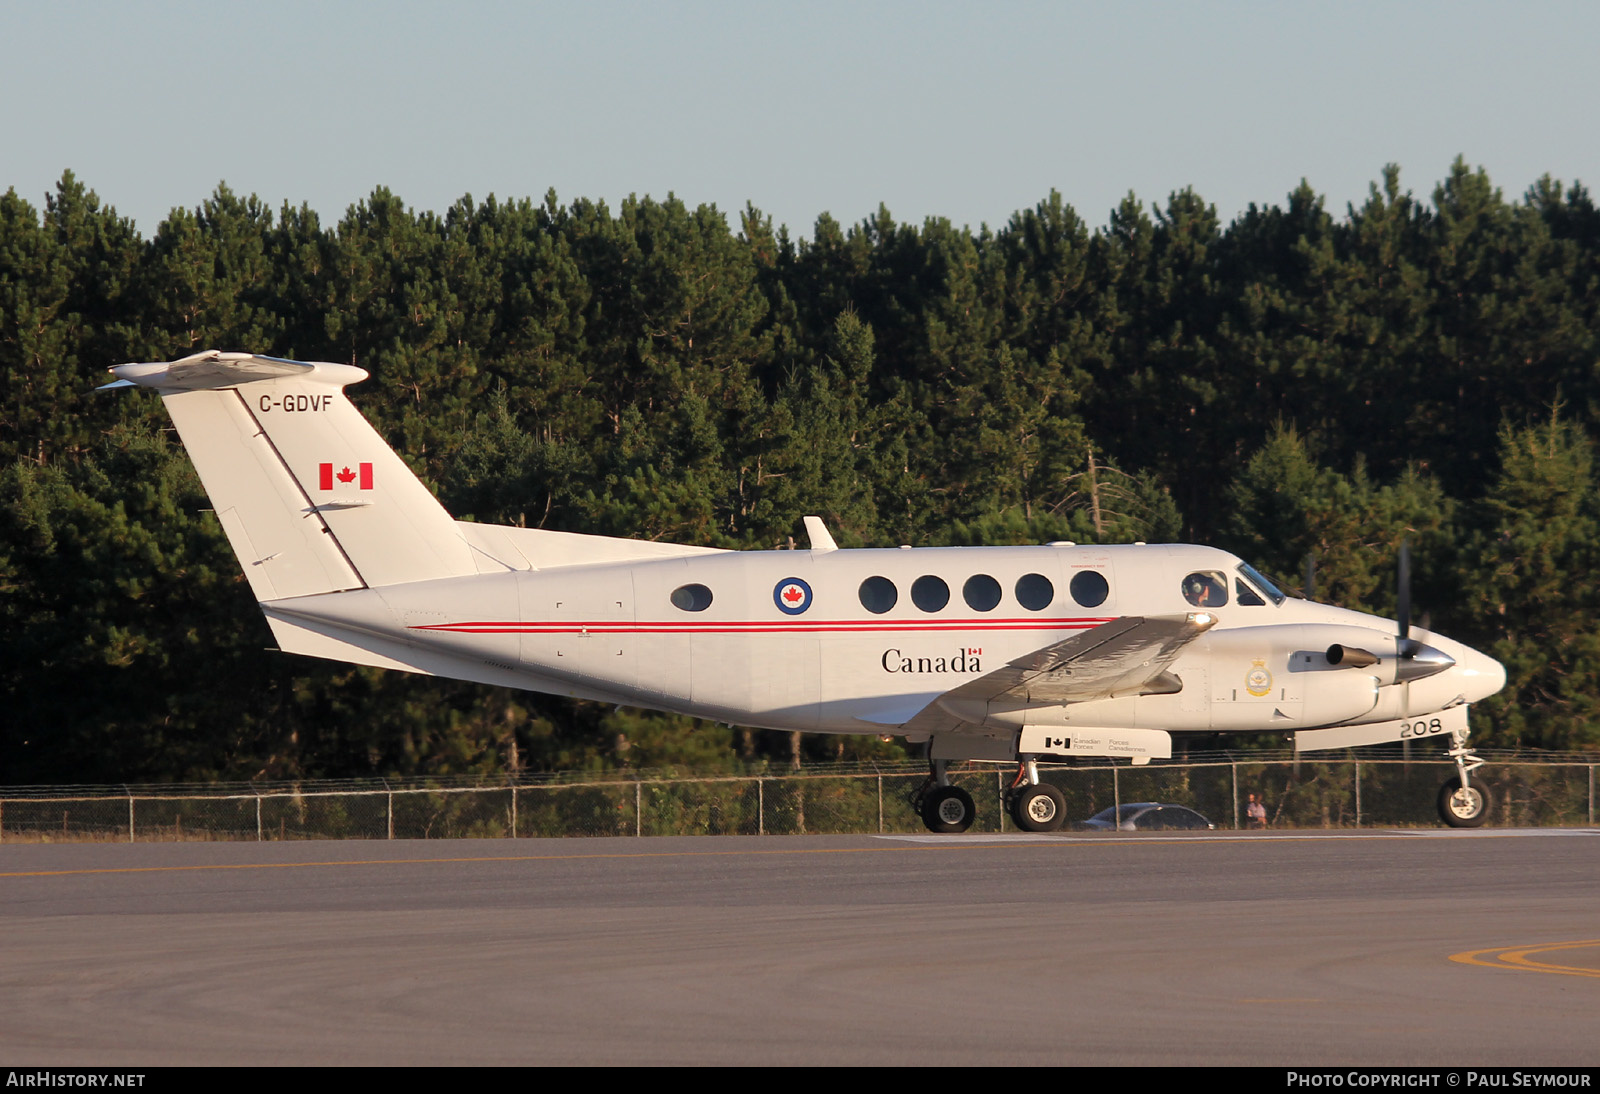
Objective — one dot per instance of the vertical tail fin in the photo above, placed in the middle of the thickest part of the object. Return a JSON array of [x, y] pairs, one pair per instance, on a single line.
[[311, 498]]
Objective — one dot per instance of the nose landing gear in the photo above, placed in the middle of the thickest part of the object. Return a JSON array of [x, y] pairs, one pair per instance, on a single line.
[[1461, 804]]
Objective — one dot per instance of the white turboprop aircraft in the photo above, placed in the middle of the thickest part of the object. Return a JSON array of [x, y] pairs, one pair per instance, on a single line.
[[1006, 654]]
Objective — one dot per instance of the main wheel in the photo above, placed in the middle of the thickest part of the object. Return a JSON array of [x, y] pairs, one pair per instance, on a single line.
[[1463, 806], [948, 809], [1038, 808]]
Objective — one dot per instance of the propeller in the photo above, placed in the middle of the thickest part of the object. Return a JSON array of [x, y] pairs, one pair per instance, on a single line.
[[1417, 659]]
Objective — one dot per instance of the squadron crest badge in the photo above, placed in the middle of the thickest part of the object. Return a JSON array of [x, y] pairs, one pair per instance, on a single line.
[[1258, 681]]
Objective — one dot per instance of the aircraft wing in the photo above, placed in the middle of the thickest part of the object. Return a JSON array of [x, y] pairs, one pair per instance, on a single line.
[[1126, 656]]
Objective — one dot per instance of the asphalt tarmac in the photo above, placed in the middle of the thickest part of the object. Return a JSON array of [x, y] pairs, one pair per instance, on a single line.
[[1369, 948]]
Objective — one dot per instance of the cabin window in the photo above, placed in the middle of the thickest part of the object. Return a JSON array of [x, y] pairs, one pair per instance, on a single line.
[[1089, 588], [1206, 589], [691, 598], [1035, 592], [1244, 594], [930, 593], [878, 595], [981, 592]]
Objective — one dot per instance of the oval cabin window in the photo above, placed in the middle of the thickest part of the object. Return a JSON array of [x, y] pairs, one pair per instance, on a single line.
[[1035, 592], [930, 593], [981, 592], [1089, 588], [878, 595]]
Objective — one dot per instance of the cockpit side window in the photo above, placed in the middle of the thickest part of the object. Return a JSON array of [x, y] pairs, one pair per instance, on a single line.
[[1206, 589], [1259, 582], [1245, 595]]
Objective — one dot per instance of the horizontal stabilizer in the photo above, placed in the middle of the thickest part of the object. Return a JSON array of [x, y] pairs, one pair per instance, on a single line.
[[214, 369]]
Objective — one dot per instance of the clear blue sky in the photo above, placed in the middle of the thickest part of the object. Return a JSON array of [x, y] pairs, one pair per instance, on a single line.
[[969, 111]]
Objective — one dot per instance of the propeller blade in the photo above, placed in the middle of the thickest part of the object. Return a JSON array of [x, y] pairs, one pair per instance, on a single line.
[[1404, 614]]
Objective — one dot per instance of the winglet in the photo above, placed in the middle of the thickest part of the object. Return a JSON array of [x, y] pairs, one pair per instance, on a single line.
[[817, 533]]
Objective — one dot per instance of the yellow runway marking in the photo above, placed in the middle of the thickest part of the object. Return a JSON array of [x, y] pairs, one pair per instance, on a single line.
[[955, 844], [1520, 958]]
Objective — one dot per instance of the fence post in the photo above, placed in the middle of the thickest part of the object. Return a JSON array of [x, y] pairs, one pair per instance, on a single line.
[[258, 818], [880, 800], [1591, 793], [513, 812], [1358, 793], [761, 806], [1235, 765], [390, 796], [638, 809], [130, 815]]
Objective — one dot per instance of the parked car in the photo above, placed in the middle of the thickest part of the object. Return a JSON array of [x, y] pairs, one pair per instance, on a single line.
[[1148, 817]]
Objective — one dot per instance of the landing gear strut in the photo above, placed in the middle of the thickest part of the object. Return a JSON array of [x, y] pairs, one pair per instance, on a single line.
[[942, 807], [1461, 804], [1035, 806]]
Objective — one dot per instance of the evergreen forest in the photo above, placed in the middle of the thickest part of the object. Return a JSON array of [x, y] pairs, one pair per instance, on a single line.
[[1299, 384]]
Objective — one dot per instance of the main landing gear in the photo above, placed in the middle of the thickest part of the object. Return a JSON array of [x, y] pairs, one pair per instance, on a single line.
[[1035, 806], [1462, 804], [942, 807]]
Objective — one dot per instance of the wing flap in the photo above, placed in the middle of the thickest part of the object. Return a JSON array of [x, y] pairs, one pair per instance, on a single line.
[[1126, 656], [1115, 658]]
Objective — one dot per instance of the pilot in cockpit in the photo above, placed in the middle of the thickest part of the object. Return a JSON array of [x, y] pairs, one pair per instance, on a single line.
[[1205, 590]]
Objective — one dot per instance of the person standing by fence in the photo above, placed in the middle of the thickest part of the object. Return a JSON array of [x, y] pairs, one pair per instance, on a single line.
[[1256, 813]]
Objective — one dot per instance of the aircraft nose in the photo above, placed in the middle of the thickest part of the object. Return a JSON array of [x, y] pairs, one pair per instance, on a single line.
[[1481, 674]]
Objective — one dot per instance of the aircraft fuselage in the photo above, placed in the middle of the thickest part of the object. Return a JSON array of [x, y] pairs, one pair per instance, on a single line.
[[826, 662]]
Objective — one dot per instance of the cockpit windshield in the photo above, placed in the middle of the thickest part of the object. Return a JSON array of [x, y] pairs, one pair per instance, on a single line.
[[1273, 593]]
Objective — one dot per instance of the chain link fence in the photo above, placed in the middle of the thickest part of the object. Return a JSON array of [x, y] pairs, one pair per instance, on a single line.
[[1354, 792]]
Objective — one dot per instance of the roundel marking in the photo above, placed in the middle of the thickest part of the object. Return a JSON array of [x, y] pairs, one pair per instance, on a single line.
[[792, 596]]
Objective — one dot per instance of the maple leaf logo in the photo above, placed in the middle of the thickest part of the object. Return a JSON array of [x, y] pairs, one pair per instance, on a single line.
[[791, 595], [346, 475]]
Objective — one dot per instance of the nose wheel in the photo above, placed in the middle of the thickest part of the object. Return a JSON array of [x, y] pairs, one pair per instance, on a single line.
[[1463, 804]]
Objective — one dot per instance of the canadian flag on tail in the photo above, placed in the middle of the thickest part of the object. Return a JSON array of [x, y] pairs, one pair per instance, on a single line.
[[326, 476]]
